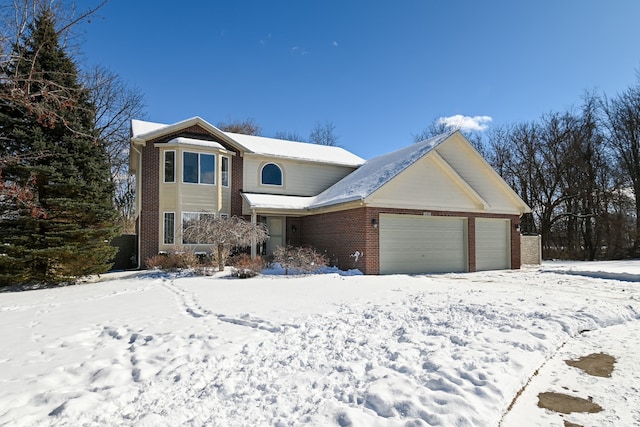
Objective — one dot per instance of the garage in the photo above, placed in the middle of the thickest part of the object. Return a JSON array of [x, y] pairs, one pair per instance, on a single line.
[[422, 244], [493, 244]]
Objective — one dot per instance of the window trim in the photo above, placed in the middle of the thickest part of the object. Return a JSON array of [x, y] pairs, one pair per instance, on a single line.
[[164, 167], [281, 175], [222, 171], [198, 167], [214, 172], [164, 228]]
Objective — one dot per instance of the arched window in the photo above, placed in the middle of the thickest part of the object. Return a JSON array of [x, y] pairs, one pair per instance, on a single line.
[[271, 174]]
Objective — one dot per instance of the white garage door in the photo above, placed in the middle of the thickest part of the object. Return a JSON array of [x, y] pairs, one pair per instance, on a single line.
[[493, 244], [422, 244]]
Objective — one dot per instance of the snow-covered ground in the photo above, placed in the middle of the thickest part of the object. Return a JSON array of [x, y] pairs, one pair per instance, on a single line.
[[153, 349]]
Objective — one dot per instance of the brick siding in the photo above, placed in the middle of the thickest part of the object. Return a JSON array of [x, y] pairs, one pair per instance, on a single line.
[[347, 237], [149, 216], [340, 235], [148, 224], [236, 185]]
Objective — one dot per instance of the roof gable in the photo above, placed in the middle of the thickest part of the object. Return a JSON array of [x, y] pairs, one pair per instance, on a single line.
[[474, 169], [453, 156], [142, 132], [375, 173]]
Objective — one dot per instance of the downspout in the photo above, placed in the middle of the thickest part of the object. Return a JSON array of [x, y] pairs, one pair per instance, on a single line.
[[219, 181], [138, 202]]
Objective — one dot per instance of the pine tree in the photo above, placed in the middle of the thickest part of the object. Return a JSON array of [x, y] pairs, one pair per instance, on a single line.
[[66, 168]]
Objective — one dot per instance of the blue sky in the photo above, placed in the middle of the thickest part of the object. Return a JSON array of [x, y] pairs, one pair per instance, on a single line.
[[380, 71]]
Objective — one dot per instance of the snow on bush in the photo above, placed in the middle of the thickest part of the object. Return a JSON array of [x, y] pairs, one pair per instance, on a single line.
[[302, 259]]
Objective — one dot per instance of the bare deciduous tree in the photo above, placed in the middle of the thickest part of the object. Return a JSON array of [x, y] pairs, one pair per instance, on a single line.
[[437, 127], [115, 105], [622, 119], [223, 234], [440, 126], [560, 167], [324, 134], [290, 136], [246, 127], [22, 87]]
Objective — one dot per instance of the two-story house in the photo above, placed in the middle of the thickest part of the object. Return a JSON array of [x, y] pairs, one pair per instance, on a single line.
[[434, 206]]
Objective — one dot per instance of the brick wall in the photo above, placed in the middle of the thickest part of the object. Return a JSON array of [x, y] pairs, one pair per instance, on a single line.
[[293, 233], [338, 235], [341, 234], [471, 242], [515, 243], [149, 216], [236, 185]]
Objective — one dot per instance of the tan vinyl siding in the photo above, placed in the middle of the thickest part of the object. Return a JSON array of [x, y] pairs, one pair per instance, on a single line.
[[424, 186], [479, 175], [299, 178], [182, 197]]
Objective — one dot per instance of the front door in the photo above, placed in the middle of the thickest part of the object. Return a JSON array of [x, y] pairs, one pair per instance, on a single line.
[[275, 225]]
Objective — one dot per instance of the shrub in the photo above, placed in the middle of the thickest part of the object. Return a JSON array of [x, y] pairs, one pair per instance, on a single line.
[[299, 258], [173, 260], [244, 266], [223, 234]]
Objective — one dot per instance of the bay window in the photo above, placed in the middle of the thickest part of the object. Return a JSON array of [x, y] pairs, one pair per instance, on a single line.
[[198, 168]]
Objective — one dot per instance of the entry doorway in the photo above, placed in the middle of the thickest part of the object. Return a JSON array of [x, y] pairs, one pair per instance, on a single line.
[[275, 226]]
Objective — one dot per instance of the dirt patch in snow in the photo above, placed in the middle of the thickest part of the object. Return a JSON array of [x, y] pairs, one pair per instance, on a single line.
[[566, 404], [597, 364]]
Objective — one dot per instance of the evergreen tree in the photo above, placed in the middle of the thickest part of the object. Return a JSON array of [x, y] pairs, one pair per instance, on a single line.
[[53, 137]]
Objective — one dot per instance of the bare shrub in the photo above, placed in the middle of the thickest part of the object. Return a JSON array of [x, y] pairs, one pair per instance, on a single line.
[[173, 260], [223, 234], [245, 267], [302, 259]]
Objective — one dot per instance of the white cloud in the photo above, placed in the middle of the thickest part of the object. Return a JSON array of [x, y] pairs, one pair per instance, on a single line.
[[466, 123], [299, 50]]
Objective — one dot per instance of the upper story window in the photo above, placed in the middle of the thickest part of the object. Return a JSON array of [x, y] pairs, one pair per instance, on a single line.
[[271, 174], [199, 168], [169, 166], [224, 165]]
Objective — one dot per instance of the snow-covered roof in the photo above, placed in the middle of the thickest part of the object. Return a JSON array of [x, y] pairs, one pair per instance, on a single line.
[[375, 173], [261, 145], [198, 142], [296, 150], [141, 127], [358, 185], [276, 201]]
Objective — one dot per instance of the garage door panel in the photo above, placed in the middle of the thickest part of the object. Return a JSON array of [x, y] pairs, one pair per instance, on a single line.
[[418, 244], [493, 244]]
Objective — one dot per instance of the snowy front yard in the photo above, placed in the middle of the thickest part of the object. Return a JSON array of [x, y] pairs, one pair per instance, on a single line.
[[153, 349]]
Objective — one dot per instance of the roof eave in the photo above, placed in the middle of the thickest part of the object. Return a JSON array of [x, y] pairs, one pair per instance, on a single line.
[[141, 139]]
